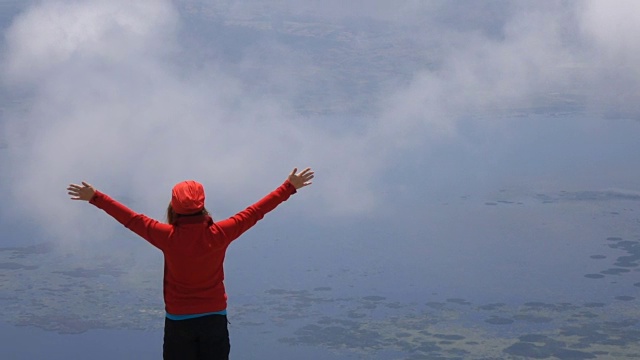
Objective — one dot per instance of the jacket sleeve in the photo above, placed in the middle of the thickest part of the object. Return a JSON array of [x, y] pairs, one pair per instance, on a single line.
[[151, 230], [234, 226]]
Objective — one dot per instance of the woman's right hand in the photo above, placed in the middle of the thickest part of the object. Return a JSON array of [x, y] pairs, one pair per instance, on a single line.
[[301, 179]]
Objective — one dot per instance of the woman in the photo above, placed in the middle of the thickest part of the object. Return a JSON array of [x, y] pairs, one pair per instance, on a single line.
[[194, 247]]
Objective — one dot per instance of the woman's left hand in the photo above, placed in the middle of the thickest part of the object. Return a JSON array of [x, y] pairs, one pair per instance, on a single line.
[[84, 192]]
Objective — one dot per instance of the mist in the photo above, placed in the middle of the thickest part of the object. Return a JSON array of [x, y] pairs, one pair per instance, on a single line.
[[137, 98]]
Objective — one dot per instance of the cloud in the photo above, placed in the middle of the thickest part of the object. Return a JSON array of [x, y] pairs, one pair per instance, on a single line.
[[61, 32], [613, 28], [138, 96], [613, 55], [85, 65], [110, 102], [544, 57]]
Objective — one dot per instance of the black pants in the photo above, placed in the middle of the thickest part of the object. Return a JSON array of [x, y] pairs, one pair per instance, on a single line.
[[205, 337]]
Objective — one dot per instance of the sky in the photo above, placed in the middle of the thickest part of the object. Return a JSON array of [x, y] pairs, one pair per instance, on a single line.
[[395, 107]]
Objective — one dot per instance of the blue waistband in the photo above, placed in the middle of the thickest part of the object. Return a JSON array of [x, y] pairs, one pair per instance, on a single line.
[[193, 316]]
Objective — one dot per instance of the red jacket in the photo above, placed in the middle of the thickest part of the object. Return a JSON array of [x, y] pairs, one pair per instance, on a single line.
[[194, 249]]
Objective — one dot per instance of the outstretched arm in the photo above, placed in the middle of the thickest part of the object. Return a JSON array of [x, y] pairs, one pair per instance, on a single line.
[[151, 230], [234, 226]]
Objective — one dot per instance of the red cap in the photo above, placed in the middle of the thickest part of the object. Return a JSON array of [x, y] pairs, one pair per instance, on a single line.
[[187, 197]]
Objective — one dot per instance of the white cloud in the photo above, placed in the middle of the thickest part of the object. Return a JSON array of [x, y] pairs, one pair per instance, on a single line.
[[111, 105], [118, 98], [57, 32], [613, 27], [479, 73], [613, 55]]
